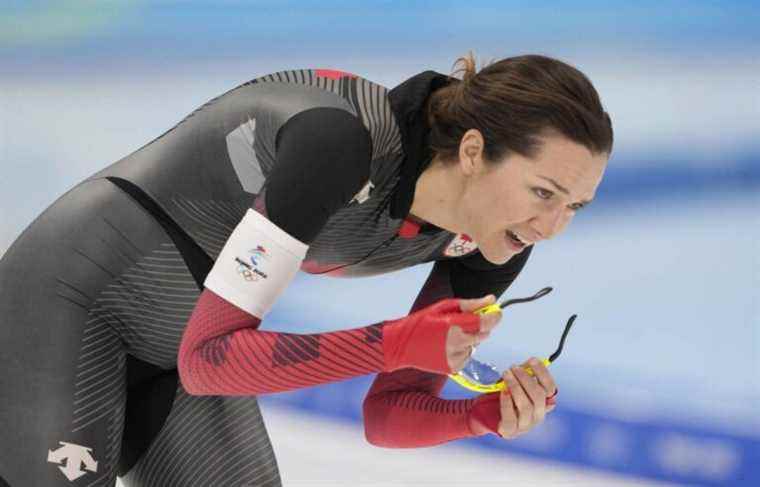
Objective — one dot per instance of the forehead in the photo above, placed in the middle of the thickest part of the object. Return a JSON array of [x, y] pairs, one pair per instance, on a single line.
[[570, 164]]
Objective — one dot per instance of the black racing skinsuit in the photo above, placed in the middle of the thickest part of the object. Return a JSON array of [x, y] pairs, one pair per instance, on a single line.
[[96, 292]]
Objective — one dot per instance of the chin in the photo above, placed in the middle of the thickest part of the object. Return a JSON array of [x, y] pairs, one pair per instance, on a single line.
[[498, 257]]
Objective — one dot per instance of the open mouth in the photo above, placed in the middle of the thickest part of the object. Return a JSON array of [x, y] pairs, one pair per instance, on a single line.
[[515, 240]]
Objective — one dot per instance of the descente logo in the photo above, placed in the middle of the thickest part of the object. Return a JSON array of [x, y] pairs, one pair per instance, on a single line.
[[75, 457], [252, 267]]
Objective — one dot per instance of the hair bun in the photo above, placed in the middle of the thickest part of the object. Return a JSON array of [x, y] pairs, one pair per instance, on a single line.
[[467, 68]]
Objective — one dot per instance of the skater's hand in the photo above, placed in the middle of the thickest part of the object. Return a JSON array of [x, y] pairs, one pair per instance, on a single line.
[[439, 338], [527, 399], [460, 342]]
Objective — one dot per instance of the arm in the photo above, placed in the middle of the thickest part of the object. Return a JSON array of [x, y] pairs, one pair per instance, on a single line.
[[224, 353], [322, 160], [403, 408]]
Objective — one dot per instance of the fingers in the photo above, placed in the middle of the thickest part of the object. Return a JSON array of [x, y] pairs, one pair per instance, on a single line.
[[535, 393], [542, 375], [459, 339], [481, 337], [527, 398], [473, 323], [522, 403], [488, 322], [551, 404], [457, 358], [460, 312], [465, 328], [470, 305], [508, 423]]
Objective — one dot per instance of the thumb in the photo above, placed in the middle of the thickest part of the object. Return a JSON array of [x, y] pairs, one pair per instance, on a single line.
[[469, 321], [475, 304]]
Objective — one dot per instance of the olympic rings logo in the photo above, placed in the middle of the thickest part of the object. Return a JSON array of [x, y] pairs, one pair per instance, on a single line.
[[252, 271]]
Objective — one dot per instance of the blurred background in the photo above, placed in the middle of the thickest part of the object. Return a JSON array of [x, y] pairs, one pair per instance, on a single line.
[[659, 380]]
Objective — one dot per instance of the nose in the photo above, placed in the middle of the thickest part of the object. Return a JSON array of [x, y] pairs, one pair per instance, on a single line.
[[548, 224]]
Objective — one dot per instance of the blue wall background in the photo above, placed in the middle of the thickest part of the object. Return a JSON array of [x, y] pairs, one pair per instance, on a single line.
[[661, 376]]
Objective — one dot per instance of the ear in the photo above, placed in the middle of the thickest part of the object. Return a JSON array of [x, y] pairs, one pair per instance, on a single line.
[[471, 152]]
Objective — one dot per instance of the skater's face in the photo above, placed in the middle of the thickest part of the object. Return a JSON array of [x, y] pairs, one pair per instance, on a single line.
[[532, 198]]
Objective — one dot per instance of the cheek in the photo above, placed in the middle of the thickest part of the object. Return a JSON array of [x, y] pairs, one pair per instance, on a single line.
[[502, 207], [566, 219], [494, 206], [483, 212]]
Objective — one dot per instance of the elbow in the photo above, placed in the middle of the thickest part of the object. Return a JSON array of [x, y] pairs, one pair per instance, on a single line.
[[189, 382], [370, 431], [198, 351], [373, 417], [190, 386], [371, 438], [187, 367], [188, 354]]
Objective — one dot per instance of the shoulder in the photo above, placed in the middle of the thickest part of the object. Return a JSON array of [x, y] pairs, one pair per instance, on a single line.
[[288, 93], [331, 130]]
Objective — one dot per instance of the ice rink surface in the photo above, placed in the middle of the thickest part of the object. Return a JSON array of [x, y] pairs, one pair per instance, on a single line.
[[315, 451]]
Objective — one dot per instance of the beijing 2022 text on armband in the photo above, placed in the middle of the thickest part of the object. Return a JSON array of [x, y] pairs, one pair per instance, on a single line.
[[256, 264]]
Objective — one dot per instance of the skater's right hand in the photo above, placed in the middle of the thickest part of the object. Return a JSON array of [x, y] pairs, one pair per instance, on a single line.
[[439, 338]]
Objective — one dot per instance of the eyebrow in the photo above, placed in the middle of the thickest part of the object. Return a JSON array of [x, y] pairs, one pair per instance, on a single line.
[[563, 189]]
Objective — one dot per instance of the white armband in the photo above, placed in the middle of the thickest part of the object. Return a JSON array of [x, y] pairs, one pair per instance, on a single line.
[[256, 264]]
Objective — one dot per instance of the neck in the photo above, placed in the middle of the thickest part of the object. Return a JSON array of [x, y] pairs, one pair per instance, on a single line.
[[436, 196]]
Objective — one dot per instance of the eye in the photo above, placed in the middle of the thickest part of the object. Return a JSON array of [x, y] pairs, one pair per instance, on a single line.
[[576, 206], [542, 193]]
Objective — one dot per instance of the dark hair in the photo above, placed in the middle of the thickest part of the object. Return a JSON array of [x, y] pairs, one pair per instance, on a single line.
[[513, 102]]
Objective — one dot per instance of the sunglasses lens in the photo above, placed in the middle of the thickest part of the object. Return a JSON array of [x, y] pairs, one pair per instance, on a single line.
[[480, 373]]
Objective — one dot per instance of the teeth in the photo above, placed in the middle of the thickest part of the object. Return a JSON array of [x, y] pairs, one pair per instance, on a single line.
[[518, 238]]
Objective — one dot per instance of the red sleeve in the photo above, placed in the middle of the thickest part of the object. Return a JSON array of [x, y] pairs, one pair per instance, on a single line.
[[403, 408], [223, 353], [323, 158]]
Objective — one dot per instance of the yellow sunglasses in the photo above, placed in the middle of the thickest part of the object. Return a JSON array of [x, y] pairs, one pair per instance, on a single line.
[[484, 378]]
